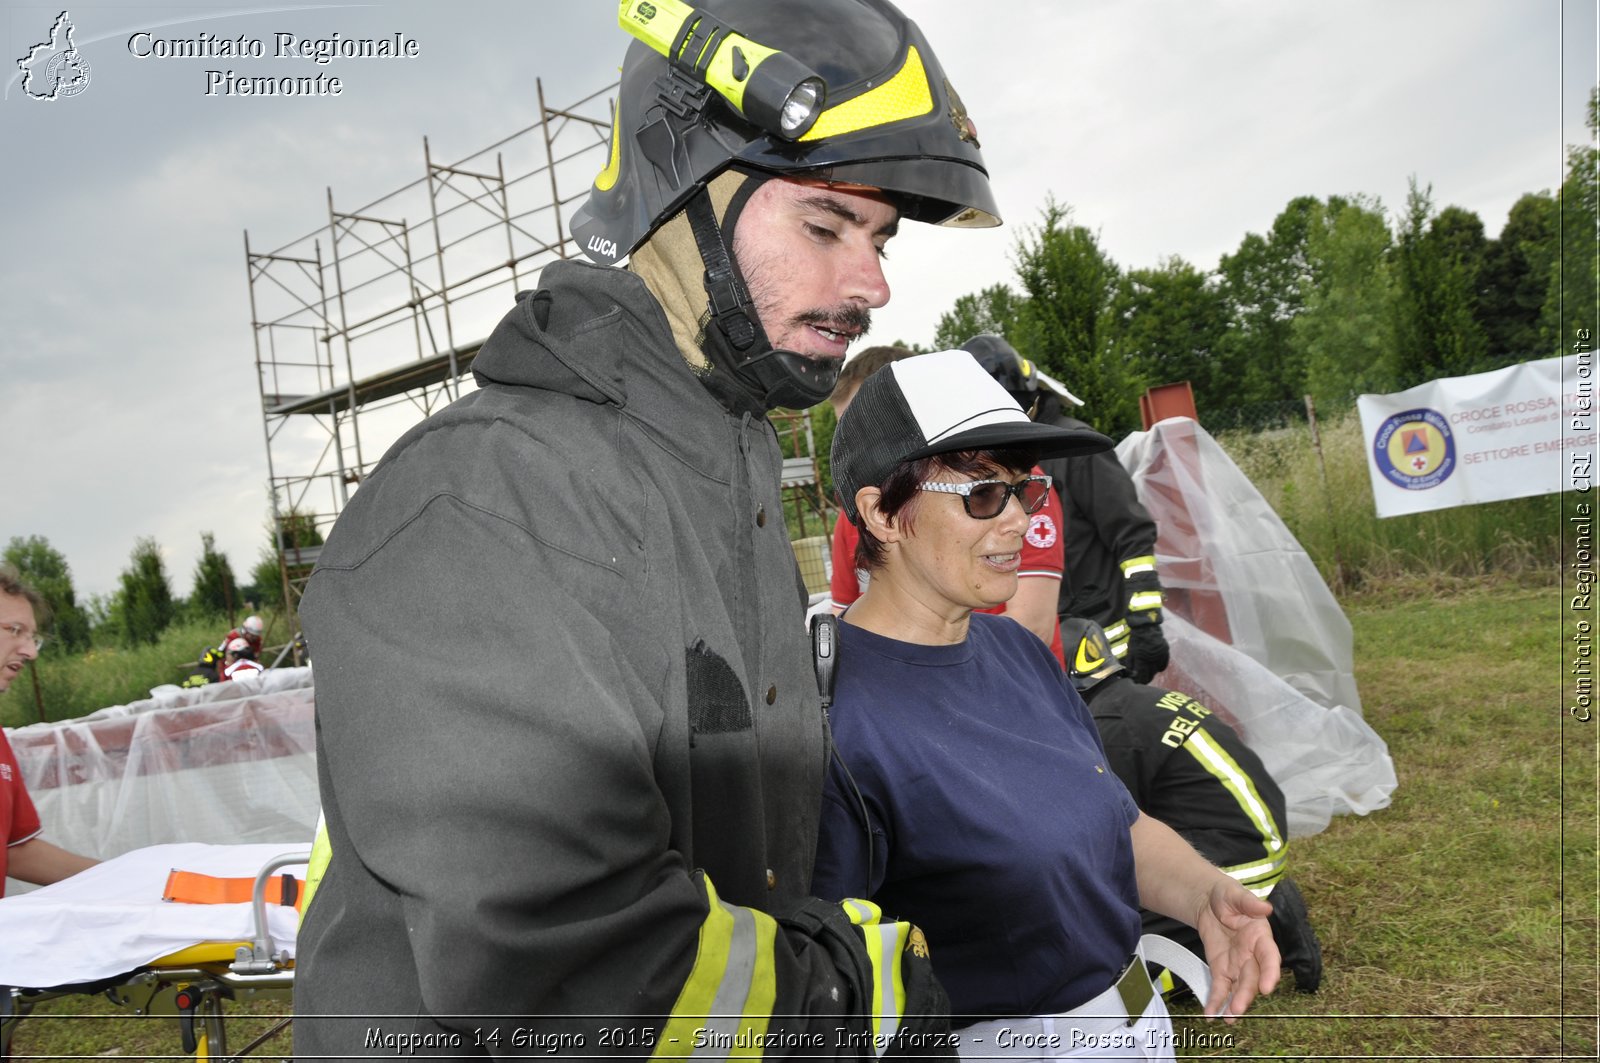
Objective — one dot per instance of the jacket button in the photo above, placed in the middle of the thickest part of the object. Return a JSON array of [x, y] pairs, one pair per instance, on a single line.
[[772, 880], [772, 694], [761, 517]]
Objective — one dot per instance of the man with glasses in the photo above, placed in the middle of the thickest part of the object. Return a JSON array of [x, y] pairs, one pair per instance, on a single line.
[[26, 856]]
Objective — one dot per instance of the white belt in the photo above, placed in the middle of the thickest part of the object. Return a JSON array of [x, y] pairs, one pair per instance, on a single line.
[[1129, 1012], [1131, 994], [1180, 961]]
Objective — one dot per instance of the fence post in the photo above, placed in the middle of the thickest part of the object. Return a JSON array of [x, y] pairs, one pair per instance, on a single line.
[[38, 695], [1339, 577]]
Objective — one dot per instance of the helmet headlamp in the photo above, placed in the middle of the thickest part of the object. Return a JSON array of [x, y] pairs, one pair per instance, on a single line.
[[770, 88]]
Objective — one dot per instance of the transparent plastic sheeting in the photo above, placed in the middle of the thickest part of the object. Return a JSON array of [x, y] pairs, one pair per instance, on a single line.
[[1326, 760], [1255, 632], [226, 763]]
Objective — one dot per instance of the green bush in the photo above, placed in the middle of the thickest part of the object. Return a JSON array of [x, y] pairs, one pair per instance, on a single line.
[[145, 596]]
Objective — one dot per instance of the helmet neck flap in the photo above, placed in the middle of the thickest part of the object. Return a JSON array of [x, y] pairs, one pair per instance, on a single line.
[[689, 266]]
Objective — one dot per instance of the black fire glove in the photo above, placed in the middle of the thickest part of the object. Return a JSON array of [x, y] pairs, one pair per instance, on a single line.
[[868, 949], [1148, 652]]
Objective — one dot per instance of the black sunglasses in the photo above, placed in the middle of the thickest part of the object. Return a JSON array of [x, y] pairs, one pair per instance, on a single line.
[[986, 499]]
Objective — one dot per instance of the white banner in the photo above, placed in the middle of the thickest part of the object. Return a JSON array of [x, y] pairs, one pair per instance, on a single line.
[[1523, 430]]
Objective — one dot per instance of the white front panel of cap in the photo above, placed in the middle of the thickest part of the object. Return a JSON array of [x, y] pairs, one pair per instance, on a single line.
[[950, 392]]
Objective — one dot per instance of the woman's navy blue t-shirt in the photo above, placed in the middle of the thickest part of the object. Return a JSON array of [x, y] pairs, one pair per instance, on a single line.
[[997, 827]]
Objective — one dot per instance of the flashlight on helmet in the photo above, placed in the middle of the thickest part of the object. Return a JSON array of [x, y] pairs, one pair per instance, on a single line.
[[770, 88]]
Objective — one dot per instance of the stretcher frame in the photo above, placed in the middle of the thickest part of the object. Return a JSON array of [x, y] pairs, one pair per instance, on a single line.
[[191, 984]]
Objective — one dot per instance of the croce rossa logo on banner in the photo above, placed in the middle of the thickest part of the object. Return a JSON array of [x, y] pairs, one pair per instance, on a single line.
[[1415, 449]]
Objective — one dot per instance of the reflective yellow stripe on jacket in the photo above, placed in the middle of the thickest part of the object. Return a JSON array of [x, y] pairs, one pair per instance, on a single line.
[[1136, 565], [321, 853], [1117, 635], [731, 989], [1144, 601], [1259, 875], [885, 944]]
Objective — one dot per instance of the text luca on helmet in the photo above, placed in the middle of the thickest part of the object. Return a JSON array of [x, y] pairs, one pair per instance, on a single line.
[[570, 750]]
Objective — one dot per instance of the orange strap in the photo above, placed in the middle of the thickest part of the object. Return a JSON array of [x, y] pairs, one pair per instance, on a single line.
[[191, 887]]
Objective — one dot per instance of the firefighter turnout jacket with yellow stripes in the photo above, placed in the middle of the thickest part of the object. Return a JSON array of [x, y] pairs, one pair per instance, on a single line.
[[569, 742], [1191, 771], [1110, 566]]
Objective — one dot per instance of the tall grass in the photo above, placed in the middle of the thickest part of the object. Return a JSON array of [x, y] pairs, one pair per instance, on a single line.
[[71, 685], [1460, 921], [1332, 513]]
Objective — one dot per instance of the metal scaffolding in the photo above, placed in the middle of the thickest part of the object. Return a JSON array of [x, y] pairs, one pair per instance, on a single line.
[[371, 321], [359, 324]]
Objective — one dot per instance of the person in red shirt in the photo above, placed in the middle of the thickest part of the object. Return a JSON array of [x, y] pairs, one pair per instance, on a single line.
[[250, 631], [25, 855], [1039, 578]]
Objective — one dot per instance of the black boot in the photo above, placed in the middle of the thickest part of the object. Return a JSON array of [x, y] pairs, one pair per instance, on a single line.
[[1291, 929]]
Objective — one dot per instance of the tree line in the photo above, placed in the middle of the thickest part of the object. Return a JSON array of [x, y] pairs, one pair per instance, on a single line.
[[144, 605], [1335, 299]]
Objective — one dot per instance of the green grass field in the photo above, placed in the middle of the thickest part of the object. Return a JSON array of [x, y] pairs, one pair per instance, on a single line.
[[1460, 922]]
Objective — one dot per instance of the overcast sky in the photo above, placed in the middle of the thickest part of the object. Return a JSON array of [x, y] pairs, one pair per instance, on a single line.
[[130, 404]]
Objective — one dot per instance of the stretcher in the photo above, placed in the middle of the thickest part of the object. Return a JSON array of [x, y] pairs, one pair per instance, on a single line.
[[108, 931]]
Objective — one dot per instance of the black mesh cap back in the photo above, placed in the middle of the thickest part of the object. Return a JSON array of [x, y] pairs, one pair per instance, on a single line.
[[876, 432]]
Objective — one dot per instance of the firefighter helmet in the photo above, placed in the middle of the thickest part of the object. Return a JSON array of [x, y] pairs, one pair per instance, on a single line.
[[1016, 374], [1089, 656], [889, 118]]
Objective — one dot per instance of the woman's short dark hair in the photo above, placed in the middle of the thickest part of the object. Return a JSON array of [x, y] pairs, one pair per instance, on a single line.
[[899, 488]]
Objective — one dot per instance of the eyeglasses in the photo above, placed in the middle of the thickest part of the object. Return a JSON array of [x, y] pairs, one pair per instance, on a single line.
[[987, 499], [17, 631]]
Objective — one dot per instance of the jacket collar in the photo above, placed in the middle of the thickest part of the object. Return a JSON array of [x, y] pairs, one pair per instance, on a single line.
[[597, 334]]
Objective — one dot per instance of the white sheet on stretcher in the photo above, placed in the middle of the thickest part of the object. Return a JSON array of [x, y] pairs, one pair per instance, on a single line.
[[110, 919]]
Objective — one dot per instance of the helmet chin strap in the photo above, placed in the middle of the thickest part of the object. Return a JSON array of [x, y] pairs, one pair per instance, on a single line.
[[735, 343]]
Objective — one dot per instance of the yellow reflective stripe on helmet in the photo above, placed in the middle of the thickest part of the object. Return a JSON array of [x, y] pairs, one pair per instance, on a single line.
[[608, 177], [1135, 565], [1084, 662], [730, 990], [321, 853], [1237, 782], [886, 942], [1144, 600], [906, 95]]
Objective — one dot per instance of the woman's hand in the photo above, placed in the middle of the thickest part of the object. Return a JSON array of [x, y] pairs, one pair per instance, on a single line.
[[1177, 881], [1239, 947]]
